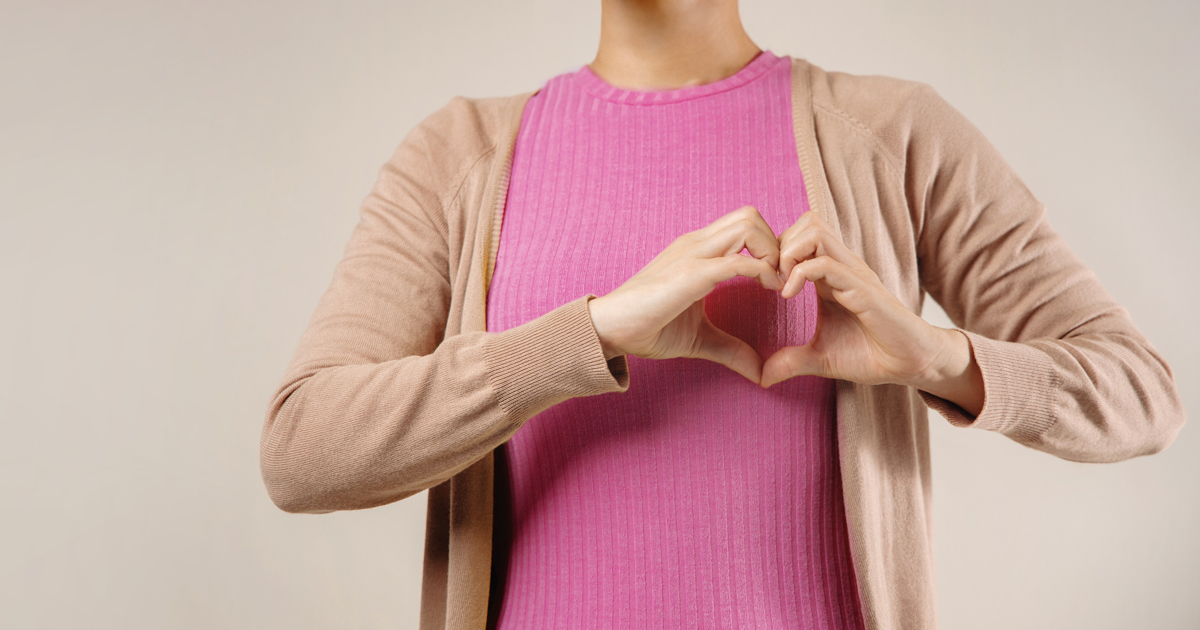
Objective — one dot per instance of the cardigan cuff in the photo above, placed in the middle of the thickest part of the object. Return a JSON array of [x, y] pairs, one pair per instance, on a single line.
[[1020, 388], [550, 359]]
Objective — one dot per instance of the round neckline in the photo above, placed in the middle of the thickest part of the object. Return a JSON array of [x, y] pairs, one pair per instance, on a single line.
[[601, 89]]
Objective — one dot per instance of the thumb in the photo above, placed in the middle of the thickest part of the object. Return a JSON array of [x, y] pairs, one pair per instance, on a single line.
[[791, 361], [715, 344]]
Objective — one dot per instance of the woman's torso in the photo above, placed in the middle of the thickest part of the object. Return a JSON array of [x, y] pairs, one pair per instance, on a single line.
[[696, 498]]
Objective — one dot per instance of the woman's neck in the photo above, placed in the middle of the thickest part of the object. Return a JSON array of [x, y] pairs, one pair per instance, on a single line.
[[669, 44]]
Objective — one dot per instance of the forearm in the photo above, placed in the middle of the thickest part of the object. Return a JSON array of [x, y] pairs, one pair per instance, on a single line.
[[1093, 397], [1064, 368], [356, 436]]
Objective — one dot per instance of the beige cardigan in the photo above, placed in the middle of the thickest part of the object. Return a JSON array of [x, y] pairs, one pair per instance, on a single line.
[[397, 387]]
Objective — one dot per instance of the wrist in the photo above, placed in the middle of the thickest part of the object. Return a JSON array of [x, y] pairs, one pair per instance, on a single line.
[[955, 375], [596, 312]]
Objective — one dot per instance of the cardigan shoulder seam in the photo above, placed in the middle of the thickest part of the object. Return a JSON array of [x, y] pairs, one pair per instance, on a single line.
[[862, 130], [467, 175], [905, 92], [477, 113], [489, 137], [456, 113]]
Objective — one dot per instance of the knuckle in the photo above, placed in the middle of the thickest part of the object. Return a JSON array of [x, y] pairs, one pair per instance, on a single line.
[[819, 238]]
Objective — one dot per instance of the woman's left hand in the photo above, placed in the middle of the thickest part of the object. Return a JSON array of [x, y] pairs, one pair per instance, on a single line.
[[864, 333]]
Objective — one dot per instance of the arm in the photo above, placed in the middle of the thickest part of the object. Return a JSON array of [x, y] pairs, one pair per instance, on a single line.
[[375, 405], [1064, 368]]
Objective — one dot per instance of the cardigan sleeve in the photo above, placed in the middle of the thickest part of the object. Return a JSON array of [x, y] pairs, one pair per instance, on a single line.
[[376, 405], [1065, 369]]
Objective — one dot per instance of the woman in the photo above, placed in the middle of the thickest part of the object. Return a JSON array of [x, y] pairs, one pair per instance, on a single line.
[[584, 468]]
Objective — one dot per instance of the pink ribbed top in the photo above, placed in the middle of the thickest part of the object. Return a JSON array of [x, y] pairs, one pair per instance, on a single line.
[[695, 499]]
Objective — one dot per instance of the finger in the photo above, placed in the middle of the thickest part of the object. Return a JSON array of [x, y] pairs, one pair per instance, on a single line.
[[815, 241], [790, 362], [729, 218], [801, 223], [741, 229], [809, 218], [758, 237], [686, 242], [715, 270], [715, 344], [836, 275], [737, 236]]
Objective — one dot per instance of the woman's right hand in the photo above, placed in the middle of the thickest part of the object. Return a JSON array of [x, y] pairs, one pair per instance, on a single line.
[[659, 312]]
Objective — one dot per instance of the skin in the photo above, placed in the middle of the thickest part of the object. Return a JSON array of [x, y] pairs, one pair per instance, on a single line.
[[863, 333]]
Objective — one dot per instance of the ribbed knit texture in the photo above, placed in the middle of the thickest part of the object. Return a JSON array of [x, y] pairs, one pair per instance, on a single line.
[[695, 498]]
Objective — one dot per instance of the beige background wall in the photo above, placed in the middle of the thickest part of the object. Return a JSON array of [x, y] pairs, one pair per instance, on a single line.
[[178, 180]]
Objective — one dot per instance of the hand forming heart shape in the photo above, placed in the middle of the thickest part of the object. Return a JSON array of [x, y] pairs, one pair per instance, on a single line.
[[863, 333]]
